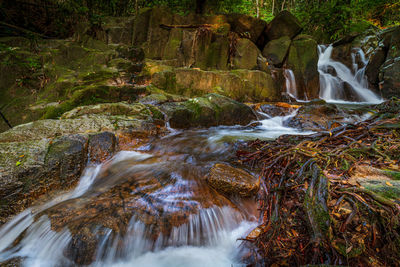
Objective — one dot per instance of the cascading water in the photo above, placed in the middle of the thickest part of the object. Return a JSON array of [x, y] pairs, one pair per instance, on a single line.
[[290, 83], [340, 84], [149, 207]]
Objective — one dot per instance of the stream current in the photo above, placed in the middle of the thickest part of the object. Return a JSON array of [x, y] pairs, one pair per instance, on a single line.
[[152, 206], [147, 207]]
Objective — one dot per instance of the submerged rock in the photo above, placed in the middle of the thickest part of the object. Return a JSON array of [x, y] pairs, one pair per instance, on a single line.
[[232, 181], [315, 116]]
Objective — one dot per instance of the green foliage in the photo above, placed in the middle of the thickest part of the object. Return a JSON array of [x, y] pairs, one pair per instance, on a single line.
[[327, 20], [332, 19]]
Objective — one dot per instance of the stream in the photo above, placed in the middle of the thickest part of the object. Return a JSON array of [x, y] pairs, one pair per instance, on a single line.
[[148, 207], [152, 206]]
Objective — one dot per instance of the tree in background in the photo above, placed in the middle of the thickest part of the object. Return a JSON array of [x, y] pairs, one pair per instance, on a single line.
[[327, 20]]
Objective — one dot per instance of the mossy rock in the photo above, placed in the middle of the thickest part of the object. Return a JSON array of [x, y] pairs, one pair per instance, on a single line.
[[284, 24], [303, 61], [136, 110], [276, 50], [246, 54], [241, 85], [210, 110], [93, 94], [172, 47]]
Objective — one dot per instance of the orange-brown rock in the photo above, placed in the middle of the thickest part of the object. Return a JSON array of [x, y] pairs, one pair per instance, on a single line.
[[232, 181]]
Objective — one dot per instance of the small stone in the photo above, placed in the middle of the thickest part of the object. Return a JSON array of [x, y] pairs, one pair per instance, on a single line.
[[232, 181]]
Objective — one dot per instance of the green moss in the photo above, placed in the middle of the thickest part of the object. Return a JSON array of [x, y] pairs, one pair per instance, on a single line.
[[315, 206], [395, 175], [355, 252], [155, 112], [384, 190], [80, 97], [93, 77]]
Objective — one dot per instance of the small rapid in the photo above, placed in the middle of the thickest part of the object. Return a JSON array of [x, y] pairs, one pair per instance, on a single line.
[[146, 207]]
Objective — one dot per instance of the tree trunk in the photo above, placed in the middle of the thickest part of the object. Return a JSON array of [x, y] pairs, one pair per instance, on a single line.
[[273, 7], [258, 8]]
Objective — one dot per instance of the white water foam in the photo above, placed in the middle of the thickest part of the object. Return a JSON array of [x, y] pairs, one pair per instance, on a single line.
[[290, 82], [208, 238], [269, 128], [334, 76]]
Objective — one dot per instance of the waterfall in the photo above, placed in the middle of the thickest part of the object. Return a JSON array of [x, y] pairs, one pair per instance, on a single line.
[[340, 84], [290, 83]]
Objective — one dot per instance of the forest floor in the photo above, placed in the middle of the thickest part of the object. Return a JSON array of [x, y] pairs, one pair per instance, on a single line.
[[332, 196]]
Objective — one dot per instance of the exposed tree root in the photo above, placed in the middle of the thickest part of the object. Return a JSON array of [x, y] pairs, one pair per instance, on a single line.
[[310, 212]]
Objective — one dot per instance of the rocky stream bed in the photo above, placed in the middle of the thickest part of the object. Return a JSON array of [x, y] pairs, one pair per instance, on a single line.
[[145, 143]]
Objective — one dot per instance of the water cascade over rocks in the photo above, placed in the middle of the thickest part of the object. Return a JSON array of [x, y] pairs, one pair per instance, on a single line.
[[148, 207], [339, 83]]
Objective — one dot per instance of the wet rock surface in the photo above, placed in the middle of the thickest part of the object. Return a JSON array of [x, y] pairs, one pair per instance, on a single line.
[[232, 181], [321, 116], [207, 111], [276, 50], [383, 68], [303, 60], [241, 85], [50, 155]]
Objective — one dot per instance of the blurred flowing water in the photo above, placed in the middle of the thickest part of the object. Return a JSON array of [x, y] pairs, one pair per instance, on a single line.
[[337, 81], [148, 207]]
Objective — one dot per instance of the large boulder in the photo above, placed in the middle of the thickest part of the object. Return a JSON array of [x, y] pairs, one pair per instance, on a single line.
[[390, 73], [157, 37], [284, 24], [372, 70], [383, 69], [246, 54], [247, 26], [50, 154], [390, 70], [118, 30], [303, 61], [29, 169], [276, 50], [241, 85], [207, 111], [232, 181]]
